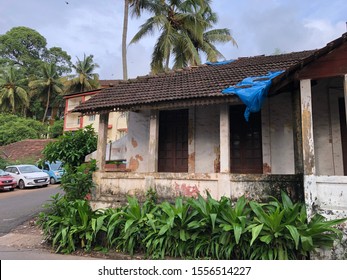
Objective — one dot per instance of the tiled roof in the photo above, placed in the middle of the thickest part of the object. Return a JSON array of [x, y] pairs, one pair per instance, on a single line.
[[30, 149], [108, 83], [205, 81]]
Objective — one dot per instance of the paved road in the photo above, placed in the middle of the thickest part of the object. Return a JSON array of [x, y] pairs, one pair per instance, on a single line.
[[12, 253], [18, 206]]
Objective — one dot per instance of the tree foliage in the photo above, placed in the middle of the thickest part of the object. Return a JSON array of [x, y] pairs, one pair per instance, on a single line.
[[23, 55], [13, 94], [85, 78], [56, 129], [72, 147], [185, 32], [50, 85], [26, 49], [14, 129]]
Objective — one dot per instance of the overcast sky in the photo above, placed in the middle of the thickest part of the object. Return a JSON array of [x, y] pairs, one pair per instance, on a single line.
[[95, 27]]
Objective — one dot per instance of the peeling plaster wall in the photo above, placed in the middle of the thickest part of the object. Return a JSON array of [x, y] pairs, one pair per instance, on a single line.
[[327, 196], [207, 139], [326, 128], [278, 146], [113, 187], [138, 141]]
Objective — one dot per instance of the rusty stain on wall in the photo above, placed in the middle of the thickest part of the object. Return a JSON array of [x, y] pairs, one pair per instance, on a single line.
[[216, 162], [134, 142], [191, 161], [190, 132], [187, 190], [134, 163], [307, 142], [266, 168]]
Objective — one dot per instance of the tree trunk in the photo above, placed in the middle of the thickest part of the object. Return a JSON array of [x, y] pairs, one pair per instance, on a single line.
[[47, 105], [124, 39]]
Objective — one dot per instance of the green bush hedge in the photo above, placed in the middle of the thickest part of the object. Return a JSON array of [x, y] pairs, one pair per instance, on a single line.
[[191, 228]]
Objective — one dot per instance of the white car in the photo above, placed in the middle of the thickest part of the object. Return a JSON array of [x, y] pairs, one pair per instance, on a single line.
[[28, 175]]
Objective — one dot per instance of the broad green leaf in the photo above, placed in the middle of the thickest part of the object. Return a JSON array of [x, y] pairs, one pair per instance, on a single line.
[[213, 220], [163, 230], [128, 224], [295, 235], [183, 235], [255, 232], [237, 232]]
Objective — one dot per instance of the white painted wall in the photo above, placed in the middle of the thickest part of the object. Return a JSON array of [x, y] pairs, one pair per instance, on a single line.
[[278, 145], [138, 141], [207, 138], [326, 127]]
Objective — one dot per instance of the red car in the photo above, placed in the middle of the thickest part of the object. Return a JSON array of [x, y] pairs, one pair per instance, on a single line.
[[7, 182]]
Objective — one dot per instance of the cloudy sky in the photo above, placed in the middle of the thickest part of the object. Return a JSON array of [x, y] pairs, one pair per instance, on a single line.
[[95, 27]]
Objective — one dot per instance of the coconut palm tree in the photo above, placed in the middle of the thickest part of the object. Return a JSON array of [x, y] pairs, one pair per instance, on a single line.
[[136, 7], [185, 33], [48, 86], [13, 94], [85, 79]]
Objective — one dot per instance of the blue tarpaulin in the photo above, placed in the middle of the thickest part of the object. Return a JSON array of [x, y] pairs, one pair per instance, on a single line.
[[220, 62], [252, 91]]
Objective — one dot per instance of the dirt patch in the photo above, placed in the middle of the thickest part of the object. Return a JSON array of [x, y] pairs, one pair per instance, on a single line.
[[29, 236]]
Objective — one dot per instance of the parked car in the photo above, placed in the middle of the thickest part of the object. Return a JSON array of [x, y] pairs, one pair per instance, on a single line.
[[28, 175], [55, 170], [7, 182]]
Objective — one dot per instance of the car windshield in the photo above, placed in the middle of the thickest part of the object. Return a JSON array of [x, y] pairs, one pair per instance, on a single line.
[[28, 169], [56, 165], [3, 173]]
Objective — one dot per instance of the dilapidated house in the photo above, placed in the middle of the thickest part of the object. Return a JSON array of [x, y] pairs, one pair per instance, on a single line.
[[188, 134]]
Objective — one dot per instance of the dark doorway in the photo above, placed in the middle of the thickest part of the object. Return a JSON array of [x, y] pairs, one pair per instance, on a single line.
[[173, 141], [245, 142], [343, 133]]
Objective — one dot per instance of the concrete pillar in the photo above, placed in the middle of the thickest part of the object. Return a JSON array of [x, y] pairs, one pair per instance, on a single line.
[[191, 140], [224, 133], [307, 128], [153, 141], [297, 133], [102, 141]]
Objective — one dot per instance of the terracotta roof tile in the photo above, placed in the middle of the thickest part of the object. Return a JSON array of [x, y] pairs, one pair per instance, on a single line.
[[204, 81], [30, 149]]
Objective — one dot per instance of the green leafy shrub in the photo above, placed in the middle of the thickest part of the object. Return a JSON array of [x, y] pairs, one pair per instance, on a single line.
[[280, 230], [192, 228], [169, 232], [14, 129], [136, 220], [78, 182], [72, 147], [56, 129], [71, 224]]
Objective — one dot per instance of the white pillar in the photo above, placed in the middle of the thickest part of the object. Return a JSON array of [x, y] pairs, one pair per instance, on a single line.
[[307, 127], [153, 141], [102, 141], [191, 140], [224, 128]]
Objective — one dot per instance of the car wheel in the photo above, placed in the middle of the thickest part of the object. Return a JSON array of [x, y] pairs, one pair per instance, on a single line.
[[52, 181], [21, 184], [12, 189]]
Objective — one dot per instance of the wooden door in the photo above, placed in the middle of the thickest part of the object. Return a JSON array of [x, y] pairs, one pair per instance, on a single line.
[[343, 133], [173, 141], [245, 142]]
